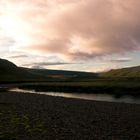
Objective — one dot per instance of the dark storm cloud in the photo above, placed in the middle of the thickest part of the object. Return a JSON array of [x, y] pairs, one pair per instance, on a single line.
[[43, 64]]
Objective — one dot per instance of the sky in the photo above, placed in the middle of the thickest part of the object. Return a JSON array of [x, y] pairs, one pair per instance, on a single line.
[[81, 35]]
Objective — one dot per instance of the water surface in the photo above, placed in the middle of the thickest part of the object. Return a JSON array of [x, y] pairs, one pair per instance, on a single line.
[[95, 97]]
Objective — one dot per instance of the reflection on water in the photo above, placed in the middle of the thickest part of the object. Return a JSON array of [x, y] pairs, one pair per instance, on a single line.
[[96, 97]]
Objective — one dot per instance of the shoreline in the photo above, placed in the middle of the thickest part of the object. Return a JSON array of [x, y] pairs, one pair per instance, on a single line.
[[35, 116]]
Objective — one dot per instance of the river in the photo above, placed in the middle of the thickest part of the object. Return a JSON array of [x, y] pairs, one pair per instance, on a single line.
[[84, 96]]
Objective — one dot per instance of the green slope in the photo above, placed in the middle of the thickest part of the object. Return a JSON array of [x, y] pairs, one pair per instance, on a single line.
[[10, 72], [124, 72]]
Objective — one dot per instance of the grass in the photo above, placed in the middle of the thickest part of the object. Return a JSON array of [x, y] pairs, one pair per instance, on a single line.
[[14, 126], [110, 86]]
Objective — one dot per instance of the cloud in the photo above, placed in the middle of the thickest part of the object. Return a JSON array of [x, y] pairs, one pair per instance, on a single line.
[[6, 42], [43, 64], [121, 60], [18, 56], [74, 29]]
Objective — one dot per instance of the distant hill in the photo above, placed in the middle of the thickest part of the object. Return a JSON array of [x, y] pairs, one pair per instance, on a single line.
[[61, 73], [124, 72], [11, 72]]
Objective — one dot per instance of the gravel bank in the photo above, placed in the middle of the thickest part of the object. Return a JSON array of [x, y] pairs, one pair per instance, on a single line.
[[41, 117]]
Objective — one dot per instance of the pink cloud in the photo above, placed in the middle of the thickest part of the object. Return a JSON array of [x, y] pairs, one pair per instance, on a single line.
[[81, 29]]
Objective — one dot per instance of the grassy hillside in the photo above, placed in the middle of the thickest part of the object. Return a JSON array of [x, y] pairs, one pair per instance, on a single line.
[[10, 72], [124, 72]]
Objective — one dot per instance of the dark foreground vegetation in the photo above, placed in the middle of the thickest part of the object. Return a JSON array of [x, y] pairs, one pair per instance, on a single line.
[[40, 117]]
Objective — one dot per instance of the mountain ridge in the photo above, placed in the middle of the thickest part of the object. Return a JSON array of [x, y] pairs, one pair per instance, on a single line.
[[10, 72]]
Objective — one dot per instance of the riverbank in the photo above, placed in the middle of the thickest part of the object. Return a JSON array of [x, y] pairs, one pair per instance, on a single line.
[[116, 87], [41, 117]]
